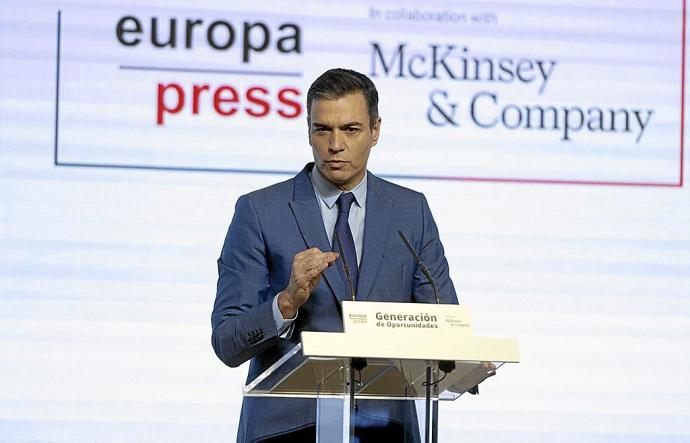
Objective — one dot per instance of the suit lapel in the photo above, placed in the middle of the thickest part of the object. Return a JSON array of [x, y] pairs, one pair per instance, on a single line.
[[376, 225], [307, 213]]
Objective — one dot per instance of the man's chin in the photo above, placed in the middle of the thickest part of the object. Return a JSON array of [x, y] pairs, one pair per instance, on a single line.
[[335, 176], [344, 183], [337, 179], [342, 178]]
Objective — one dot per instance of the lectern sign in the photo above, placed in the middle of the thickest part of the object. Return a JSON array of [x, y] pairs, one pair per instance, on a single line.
[[365, 317], [428, 332]]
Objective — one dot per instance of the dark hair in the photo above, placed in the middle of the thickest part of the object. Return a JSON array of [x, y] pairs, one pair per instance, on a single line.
[[337, 83]]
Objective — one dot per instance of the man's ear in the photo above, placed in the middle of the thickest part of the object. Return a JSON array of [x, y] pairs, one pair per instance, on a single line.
[[309, 129], [376, 131]]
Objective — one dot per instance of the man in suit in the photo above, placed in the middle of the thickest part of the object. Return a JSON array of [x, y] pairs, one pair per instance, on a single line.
[[279, 274]]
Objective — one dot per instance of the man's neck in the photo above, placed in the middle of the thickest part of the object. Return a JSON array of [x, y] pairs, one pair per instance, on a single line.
[[329, 192], [325, 186]]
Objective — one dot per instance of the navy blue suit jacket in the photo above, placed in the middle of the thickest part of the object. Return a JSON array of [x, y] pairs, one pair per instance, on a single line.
[[268, 228]]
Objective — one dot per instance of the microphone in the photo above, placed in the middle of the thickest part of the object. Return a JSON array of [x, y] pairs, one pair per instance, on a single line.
[[420, 264], [358, 363], [446, 366]]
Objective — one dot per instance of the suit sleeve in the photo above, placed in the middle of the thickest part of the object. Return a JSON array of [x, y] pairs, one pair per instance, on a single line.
[[242, 319], [433, 255]]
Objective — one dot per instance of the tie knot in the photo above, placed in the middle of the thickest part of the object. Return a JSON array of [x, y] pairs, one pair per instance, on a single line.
[[344, 202]]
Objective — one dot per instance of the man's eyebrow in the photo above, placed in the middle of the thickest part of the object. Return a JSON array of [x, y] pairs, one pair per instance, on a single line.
[[344, 125]]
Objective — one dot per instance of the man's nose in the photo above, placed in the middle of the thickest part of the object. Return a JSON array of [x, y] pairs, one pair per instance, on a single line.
[[336, 142]]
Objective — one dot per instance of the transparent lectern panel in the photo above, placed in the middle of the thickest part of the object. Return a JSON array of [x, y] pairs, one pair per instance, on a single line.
[[332, 420], [277, 380], [386, 379]]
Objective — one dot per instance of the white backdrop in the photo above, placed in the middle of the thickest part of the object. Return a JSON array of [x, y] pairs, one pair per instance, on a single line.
[[110, 223]]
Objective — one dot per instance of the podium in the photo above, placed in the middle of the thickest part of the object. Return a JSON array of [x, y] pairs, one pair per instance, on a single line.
[[393, 352]]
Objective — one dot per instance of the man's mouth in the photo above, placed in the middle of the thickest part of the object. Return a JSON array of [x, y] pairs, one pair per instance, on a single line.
[[336, 163]]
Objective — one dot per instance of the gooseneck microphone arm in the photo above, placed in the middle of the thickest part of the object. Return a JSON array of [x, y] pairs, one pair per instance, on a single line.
[[420, 264], [445, 366], [358, 363]]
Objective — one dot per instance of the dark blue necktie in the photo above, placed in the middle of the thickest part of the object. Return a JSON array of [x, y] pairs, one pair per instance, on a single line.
[[342, 228]]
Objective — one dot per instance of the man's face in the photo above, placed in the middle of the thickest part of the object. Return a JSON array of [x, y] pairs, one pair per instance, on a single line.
[[340, 138]]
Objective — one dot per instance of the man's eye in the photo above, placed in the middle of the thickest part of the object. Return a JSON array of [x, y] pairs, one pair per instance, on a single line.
[[352, 130]]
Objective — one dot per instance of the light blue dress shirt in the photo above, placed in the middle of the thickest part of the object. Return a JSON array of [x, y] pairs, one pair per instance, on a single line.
[[327, 195]]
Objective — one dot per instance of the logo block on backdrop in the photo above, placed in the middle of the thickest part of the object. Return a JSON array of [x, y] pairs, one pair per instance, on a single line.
[[493, 93]]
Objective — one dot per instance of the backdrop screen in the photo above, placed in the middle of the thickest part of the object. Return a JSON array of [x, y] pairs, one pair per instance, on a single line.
[[547, 136]]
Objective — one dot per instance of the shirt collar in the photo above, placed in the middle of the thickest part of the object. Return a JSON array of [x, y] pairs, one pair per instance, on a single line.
[[329, 193]]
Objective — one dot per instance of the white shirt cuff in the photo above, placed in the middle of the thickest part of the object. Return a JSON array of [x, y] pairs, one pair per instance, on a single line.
[[284, 326]]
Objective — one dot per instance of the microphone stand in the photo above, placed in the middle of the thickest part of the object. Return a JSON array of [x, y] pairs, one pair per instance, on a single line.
[[356, 364], [443, 365]]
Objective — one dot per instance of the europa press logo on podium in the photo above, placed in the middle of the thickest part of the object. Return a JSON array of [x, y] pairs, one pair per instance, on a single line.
[[357, 318]]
